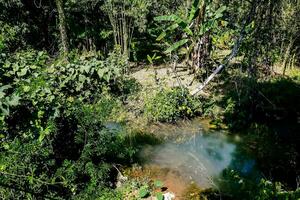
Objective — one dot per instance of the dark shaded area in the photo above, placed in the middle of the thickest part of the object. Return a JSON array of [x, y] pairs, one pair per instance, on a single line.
[[268, 113], [64, 145]]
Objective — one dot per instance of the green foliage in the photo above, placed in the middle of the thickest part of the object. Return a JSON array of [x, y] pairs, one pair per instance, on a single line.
[[52, 123], [7, 101], [259, 101], [87, 75], [171, 104], [109, 194], [268, 190], [9, 36], [159, 196], [21, 66], [234, 185], [71, 157], [102, 143], [54, 138], [144, 191], [134, 9], [153, 58], [61, 83], [158, 184], [187, 23], [32, 175]]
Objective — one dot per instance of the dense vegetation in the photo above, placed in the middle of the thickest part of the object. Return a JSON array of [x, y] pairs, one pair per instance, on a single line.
[[65, 76]]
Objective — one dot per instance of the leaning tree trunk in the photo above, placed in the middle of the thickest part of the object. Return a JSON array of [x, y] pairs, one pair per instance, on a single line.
[[62, 27], [233, 53]]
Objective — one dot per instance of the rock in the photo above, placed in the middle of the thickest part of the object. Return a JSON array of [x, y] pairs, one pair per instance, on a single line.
[[169, 196], [121, 180]]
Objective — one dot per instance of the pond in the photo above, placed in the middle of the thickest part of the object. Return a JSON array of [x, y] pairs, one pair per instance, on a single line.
[[195, 154]]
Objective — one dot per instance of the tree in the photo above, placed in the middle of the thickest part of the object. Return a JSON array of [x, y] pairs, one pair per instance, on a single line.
[[196, 28], [62, 26], [290, 25], [125, 16]]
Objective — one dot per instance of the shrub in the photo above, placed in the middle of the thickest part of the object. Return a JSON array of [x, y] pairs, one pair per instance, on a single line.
[[268, 190], [170, 104], [71, 157], [29, 85], [11, 37], [52, 125]]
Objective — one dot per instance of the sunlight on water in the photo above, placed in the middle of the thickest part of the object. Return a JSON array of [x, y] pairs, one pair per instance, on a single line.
[[200, 158]]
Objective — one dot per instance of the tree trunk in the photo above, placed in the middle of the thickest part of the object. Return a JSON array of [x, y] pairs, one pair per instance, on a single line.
[[233, 53], [62, 27], [201, 52], [287, 54]]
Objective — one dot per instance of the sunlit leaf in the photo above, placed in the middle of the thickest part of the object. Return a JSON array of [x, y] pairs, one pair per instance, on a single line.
[[176, 45], [158, 184], [159, 196], [144, 192], [194, 10]]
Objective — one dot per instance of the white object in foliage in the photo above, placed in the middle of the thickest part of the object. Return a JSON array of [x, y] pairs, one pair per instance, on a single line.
[[169, 196]]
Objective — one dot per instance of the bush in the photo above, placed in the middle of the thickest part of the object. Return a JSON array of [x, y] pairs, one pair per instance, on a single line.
[[11, 37], [72, 156], [28, 84], [52, 125], [170, 104], [268, 190], [22, 67]]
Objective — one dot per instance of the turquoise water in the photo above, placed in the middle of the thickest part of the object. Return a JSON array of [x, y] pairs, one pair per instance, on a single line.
[[201, 156]]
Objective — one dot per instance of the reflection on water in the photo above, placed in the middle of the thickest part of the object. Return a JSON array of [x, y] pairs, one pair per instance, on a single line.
[[200, 158]]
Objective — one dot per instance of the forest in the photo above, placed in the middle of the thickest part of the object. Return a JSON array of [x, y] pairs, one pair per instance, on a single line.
[[150, 99]]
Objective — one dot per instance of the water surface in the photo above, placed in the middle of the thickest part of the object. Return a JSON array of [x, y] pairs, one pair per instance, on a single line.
[[197, 154]]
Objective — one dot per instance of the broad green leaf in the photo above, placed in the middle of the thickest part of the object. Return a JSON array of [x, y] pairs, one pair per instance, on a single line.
[[158, 184], [149, 59], [82, 78], [170, 18], [108, 76], [194, 10], [33, 67], [2, 95], [172, 27], [161, 36], [2, 166], [23, 72], [188, 31], [44, 133], [5, 87], [40, 53], [144, 192], [219, 12], [13, 100], [5, 111], [173, 18], [85, 68], [159, 196], [26, 88], [176, 45], [101, 72], [157, 58]]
